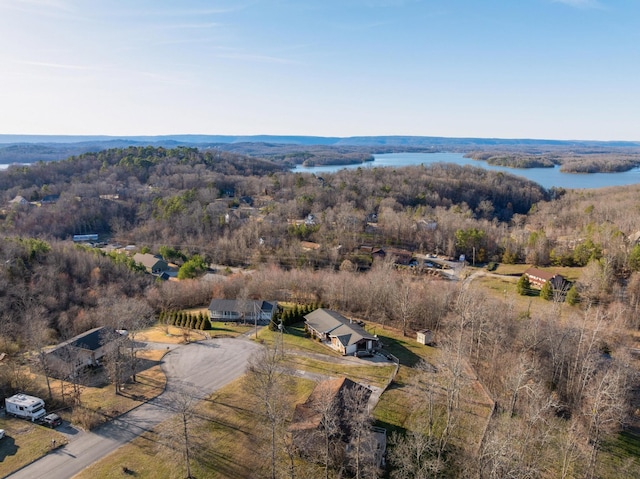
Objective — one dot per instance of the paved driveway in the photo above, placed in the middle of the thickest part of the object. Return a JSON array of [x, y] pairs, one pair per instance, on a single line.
[[205, 366]]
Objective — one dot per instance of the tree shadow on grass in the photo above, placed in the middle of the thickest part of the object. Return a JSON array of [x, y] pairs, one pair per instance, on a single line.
[[8, 447], [399, 350]]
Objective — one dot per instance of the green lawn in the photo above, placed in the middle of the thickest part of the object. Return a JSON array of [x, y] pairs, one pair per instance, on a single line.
[[368, 375], [295, 338]]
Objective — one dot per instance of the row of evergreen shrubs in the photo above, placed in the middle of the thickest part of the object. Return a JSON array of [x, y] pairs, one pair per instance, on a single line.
[[183, 319], [290, 316]]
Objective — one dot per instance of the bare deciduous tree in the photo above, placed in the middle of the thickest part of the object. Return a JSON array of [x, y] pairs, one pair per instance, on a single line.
[[266, 382]]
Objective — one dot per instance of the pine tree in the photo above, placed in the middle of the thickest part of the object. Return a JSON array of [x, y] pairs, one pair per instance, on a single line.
[[547, 291], [573, 297], [523, 287]]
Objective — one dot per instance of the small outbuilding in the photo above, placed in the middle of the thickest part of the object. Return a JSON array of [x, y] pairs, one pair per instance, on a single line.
[[425, 337]]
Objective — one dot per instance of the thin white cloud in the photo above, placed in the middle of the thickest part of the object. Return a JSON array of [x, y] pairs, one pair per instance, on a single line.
[[581, 3], [255, 58], [60, 66]]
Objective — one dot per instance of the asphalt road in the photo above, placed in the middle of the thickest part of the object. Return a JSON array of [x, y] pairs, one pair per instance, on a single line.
[[204, 366]]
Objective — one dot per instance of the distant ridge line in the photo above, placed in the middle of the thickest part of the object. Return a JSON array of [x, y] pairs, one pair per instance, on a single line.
[[391, 140]]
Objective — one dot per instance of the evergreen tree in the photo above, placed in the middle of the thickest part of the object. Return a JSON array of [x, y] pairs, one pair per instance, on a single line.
[[523, 287], [573, 297], [547, 291]]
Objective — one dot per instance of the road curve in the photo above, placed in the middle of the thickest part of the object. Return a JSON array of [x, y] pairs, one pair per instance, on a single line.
[[205, 366]]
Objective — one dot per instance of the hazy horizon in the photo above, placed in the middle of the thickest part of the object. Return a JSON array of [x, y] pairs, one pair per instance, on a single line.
[[535, 69]]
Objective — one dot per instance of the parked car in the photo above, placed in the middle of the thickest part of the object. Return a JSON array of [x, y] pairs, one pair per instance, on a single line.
[[52, 420]]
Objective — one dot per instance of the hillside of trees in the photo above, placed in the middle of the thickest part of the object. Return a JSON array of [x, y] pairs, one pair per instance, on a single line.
[[562, 376]]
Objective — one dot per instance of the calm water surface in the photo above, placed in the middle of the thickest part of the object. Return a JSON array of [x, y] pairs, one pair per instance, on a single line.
[[546, 177]]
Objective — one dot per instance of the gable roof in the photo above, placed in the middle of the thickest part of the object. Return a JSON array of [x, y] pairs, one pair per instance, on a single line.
[[539, 273], [306, 416], [334, 324], [241, 306], [89, 340], [147, 260]]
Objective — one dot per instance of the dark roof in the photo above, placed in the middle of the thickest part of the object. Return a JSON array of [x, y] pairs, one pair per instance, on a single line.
[[241, 306], [90, 340]]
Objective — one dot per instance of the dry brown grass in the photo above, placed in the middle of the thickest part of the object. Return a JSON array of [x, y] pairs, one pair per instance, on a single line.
[[169, 335], [230, 448], [24, 443]]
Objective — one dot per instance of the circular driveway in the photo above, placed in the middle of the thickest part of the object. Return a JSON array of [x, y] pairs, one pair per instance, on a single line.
[[203, 367]]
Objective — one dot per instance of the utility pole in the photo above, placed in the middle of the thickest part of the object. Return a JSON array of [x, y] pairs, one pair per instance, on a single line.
[[281, 328], [255, 318]]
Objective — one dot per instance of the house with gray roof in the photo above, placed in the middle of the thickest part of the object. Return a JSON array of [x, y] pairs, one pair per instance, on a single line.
[[84, 350], [243, 310], [340, 333], [153, 264]]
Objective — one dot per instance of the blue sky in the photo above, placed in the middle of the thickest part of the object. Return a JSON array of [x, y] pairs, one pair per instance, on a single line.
[[565, 69]]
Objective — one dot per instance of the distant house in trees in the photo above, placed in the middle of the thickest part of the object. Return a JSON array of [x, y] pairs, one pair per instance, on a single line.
[[402, 256], [153, 264], [538, 278], [339, 333], [309, 245], [242, 310], [83, 350], [373, 251], [328, 397], [19, 201]]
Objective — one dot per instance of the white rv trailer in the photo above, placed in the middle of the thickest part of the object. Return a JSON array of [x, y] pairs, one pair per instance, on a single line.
[[24, 406]]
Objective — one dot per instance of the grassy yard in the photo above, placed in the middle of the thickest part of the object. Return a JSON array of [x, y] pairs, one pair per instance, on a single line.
[[103, 401], [408, 351], [295, 338], [229, 443], [24, 443], [367, 375]]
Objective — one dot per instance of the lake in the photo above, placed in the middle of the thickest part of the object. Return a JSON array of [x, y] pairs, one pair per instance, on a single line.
[[546, 177]]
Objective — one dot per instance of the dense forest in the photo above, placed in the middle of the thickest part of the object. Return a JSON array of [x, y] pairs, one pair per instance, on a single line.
[[562, 376]]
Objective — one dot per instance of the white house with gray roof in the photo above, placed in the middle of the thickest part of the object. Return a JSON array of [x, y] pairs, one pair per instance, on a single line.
[[242, 310], [338, 332]]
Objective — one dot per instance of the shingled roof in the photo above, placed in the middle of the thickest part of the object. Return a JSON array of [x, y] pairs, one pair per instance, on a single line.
[[334, 324]]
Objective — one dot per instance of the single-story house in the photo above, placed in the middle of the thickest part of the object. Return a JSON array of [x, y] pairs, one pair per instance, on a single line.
[[538, 278], [153, 264], [338, 332], [18, 201], [242, 310], [85, 349], [307, 422]]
